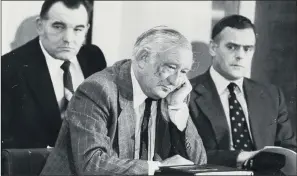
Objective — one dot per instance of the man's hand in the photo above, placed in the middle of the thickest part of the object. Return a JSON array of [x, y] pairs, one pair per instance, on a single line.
[[177, 109], [244, 156], [176, 160], [178, 96]]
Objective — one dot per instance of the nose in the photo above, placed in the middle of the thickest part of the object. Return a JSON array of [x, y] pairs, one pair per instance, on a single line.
[[174, 79], [68, 36], [240, 53]]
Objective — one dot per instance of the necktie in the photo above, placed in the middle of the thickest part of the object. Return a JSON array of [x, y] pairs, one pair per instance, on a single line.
[[144, 130], [240, 134], [67, 80]]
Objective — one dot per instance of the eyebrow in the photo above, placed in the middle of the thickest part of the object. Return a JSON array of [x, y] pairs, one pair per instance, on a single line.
[[61, 23], [80, 26], [237, 45]]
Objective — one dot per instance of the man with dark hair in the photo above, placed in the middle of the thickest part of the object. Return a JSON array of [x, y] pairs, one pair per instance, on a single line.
[[39, 78], [235, 115], [132, 117]]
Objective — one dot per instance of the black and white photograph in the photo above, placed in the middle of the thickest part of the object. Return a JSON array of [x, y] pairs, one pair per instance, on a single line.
[[94, 87]]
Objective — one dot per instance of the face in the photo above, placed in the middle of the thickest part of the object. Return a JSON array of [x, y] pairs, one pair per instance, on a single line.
[[64, 30], [233, 52], [163, 72]]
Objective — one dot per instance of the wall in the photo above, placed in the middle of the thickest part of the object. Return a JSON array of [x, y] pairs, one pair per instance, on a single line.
[[118, 24], [107, 26], [18, 23]]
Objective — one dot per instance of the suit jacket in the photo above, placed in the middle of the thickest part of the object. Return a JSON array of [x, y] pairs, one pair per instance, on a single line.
[[98, 135], [268, 118], [30, 112]]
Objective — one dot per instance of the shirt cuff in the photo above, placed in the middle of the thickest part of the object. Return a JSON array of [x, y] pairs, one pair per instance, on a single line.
[[153, 166], [179, 115]]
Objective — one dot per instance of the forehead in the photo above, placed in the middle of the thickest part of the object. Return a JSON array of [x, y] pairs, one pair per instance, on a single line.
[[179, 56], [238, 36], [76, 16]]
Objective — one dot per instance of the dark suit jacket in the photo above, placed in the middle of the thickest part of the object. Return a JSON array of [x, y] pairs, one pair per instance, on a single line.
[[267, 117], [30, 116], [98, 134]]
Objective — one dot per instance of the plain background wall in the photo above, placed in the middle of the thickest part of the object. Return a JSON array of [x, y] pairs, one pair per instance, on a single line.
[[18, 23], [118, 24]]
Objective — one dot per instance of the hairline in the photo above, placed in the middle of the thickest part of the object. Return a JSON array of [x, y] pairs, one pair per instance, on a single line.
[[217, 38], [45, 15]]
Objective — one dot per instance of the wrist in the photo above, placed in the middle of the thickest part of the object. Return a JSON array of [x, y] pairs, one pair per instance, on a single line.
[[153, 166]]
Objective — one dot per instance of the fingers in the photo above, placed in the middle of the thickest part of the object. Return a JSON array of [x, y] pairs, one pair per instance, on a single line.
[[186, 88]]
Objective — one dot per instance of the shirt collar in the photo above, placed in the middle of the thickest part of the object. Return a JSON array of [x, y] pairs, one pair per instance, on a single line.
[[221, 83], [138, 95]]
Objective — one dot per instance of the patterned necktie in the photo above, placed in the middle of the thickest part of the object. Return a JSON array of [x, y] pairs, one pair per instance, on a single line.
[[240, 134], [144, 130], [67, 79]]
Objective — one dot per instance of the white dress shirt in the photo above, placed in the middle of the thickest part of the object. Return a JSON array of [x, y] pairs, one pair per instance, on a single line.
[[139, 106], [221, 84], [56, 73]]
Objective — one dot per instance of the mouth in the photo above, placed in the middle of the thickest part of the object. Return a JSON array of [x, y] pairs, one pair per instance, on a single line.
[[236, 66], [165, 88], [66, 48]]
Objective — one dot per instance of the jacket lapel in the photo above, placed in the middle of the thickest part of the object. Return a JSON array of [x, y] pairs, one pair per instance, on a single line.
[[39, 80], [126, 119], [258, 113], [210, 103]]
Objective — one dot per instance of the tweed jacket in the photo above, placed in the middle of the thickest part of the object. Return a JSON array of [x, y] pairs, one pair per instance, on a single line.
[[97, 136]]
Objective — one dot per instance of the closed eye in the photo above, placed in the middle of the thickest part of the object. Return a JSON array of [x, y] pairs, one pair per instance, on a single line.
[[171, 67]]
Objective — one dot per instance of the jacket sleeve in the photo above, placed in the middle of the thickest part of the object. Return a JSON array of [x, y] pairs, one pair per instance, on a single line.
[[89, 116], [285, 136]]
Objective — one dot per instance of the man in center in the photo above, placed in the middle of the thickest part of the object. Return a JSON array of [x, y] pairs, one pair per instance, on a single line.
[[132, 117]]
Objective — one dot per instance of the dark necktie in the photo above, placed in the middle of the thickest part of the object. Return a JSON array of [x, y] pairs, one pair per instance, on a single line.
[[240, 134], [67, 80], [144, 130]]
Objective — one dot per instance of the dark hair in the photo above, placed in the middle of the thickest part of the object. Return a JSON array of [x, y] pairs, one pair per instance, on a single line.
[[233, 21], [72, 4]]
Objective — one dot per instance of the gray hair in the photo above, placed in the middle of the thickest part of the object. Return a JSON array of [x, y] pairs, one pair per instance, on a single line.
[[164, 37]]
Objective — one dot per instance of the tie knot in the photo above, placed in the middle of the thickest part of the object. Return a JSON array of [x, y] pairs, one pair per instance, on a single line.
[[231, 87], [148, 101], [65, 66]]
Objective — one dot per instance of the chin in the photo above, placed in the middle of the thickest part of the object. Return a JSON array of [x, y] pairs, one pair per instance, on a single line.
[[65, 56], [236, 76], [160, 94]]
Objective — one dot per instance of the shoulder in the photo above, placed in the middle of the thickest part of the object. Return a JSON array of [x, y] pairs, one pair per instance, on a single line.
[[267, 88], [107, 79], [27, 48], [94, 56], [91, 50], [195, 81], [21, 54]]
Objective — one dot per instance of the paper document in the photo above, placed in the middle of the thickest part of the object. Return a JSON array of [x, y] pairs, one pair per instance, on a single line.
[[291, 157]]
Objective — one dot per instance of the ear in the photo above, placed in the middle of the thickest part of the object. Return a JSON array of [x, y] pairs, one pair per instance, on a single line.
[[87, 28], [142, 57], [212, 48], [39, 25]]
